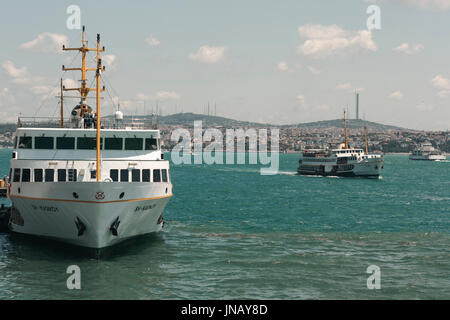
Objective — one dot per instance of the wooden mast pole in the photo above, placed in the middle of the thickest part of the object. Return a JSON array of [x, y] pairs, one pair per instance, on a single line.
[[99, 65], [345, 132], [365, 138], [61, 111]]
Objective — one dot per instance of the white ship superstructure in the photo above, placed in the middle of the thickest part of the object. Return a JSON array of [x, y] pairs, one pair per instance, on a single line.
[[84, 181], [427, 152], [342, 161]]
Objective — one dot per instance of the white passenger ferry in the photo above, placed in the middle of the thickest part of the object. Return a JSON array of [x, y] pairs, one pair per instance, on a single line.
[[427, 152], [86, 180], [342, 161]]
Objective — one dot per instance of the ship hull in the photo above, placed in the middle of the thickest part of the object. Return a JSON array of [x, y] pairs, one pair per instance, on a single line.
[[365, 169], [428, 158], [89, 221]]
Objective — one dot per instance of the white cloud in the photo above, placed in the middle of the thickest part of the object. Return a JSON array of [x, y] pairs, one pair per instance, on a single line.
[[46, 42], [142, 96], [314, 70], [397, 95], [442, 84], [349, 87], [40, 90], [152, 41], [167, 95], [207, 54], [301, 99], [282, 66], [344, 86], [406, 49], [110, 61], [423, 4], [70, 83], [14, 72], [443, 94], [322, 41], [424, 107], [19, 75]]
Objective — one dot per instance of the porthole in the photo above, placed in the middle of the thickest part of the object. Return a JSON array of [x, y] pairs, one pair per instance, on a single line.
[[75, 195], [122, 195]]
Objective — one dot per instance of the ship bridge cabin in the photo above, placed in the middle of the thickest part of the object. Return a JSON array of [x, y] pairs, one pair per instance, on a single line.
[[80, 144], [127, 154]]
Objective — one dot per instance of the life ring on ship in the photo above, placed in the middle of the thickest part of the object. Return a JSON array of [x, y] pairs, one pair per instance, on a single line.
[[107, 180]]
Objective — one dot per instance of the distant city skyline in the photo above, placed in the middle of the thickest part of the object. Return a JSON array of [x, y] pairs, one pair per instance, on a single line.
[[282, 62]]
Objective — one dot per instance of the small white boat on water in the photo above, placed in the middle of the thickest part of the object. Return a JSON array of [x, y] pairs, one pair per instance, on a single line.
[[427, 152]]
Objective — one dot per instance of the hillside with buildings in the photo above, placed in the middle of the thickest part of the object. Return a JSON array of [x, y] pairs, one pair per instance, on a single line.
[[296, 137]]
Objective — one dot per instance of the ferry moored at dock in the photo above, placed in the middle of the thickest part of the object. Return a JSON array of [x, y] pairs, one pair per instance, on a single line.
[[88, 181]]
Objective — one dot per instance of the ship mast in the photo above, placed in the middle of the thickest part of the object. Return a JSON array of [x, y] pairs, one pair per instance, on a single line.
[[345, 132], [99, 68], [84, 90], [61, 111], [365, 138]]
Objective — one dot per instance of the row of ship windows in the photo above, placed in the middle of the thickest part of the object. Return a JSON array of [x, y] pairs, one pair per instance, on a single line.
[[64, 175], [349, 151], [88, 143]]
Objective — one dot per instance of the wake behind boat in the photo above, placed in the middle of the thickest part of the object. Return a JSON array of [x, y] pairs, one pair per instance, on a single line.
[[342, 161], [86, 180]]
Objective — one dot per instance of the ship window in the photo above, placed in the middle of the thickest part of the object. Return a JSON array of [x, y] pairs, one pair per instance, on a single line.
[[38, 175], [124, 175], [156, 175], [151, 144], [43, 142], [49, 175], [93, 174], [25, 143], [113, 143], [86, 143], [16, 175], [62, 175], [136, 175], [65, 143], [72, 175], [164, 175], [133, 143], [26, 175], [146, 175], [114, 174]]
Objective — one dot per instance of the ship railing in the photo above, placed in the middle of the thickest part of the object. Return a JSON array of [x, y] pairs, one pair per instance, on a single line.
[[105, 123]]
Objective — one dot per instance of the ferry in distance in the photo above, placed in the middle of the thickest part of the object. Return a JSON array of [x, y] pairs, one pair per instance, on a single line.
[[86, 180], [343, 161], [427, 152]]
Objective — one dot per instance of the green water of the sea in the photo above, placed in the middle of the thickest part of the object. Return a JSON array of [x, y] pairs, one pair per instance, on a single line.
[[232, 233]]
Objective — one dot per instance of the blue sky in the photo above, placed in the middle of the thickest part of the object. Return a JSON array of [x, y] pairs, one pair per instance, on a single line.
[[267, 61]]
